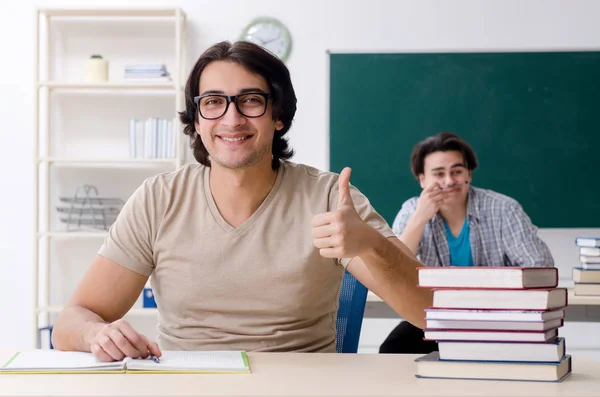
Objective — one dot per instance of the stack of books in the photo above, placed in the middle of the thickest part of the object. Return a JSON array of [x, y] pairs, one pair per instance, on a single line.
[[587, 275], [497, 323], [149, 72]]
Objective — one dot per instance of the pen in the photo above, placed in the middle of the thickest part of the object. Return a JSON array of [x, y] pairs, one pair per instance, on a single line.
[[154, 358], [455, 185]]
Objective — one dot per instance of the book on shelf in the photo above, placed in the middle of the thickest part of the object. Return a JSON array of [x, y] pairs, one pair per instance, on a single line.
[[552, 351], [587, 242], [581, 275], [525, 299], [61, 362], [490, 335], [488, 277], [152, 138], [430, 366], [495, 325], [493, 315]]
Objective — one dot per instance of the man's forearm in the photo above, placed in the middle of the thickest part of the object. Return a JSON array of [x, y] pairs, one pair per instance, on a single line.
[[394, 270], [75, 328], [412, 234]]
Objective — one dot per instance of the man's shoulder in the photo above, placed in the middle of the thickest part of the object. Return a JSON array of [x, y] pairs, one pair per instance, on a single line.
[[411, 202], [492, 199], [170, 179], [410, 205], [309, 175]]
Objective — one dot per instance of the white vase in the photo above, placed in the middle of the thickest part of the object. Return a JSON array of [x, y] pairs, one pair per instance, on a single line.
[[96, 70]]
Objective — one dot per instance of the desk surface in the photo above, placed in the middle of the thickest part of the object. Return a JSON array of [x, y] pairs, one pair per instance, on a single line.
[[301, 374], [572, 299]]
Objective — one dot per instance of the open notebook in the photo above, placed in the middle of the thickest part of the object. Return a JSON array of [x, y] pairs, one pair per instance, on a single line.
[[192, 362]]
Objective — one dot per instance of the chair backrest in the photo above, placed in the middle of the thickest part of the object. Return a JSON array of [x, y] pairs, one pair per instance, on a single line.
[[353, 298]]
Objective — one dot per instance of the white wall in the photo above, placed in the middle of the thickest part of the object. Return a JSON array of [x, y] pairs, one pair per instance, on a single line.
[[316, 26]]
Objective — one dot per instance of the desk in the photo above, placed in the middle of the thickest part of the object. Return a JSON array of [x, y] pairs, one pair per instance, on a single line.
[[581, 308], [302, 374]]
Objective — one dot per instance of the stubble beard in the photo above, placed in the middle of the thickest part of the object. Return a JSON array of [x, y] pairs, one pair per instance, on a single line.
[[251, 159]]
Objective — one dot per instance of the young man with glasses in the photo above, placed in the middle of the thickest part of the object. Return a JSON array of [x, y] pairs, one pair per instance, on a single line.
[[246, 249], [453, 223]]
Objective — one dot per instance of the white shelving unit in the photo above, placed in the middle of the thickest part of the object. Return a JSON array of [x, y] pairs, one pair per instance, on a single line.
[[82, 129]]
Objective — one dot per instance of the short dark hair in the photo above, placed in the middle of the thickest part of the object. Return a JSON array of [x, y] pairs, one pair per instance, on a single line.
[[442, 142], [256, 60]]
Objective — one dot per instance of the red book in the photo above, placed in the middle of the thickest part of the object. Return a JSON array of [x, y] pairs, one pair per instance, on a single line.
[[524, 299], [488, 277]]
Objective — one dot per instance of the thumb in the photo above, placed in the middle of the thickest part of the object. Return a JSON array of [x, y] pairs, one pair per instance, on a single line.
[[344, 197], [152, 346]]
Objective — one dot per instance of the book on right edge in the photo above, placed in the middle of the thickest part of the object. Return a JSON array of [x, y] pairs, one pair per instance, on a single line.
[[587, 242], [430, 366], [488, 277]]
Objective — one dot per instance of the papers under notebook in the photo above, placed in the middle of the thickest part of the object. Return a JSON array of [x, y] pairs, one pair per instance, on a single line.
[[59, 362]]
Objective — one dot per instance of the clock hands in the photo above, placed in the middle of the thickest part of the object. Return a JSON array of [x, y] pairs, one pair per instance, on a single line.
[[270, 41], [256, 39]]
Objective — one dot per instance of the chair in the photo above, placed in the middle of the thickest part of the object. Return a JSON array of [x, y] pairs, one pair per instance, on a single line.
[[351, 309]]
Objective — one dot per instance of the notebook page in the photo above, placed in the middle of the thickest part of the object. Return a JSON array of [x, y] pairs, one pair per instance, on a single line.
[[54, 359], [193, 360]]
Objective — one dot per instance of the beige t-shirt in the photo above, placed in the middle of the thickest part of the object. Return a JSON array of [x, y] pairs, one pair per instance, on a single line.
[[262, 286]]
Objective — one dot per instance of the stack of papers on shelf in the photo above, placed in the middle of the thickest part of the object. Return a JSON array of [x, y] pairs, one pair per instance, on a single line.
[[148, 72]]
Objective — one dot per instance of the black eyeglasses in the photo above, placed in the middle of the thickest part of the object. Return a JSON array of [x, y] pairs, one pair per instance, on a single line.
[[214, 106]]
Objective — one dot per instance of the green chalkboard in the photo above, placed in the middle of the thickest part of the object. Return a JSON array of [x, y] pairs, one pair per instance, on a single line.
[[533, 119]]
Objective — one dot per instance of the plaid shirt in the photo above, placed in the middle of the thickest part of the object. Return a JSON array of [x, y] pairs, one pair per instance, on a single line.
[[501, 233]]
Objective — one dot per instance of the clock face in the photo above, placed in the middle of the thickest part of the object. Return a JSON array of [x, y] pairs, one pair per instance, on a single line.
[[270, 34]]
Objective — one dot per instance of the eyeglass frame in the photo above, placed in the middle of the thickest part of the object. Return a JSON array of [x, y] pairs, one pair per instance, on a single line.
[[230, 99]]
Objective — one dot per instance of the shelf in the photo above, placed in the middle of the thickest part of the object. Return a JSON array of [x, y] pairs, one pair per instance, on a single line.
[[72, 235], [60, 150], [163, 86], [134, 311], [104, 161], [114, 12]]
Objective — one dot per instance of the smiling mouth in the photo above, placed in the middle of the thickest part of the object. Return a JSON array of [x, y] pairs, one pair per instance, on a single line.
[[235, 139]]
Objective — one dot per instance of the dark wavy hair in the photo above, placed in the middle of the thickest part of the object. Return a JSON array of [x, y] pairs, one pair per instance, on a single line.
[[442, 142], [258, 61]]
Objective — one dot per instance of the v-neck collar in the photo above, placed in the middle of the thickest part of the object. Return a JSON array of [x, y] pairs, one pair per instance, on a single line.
[[236, 231], [463, 229]]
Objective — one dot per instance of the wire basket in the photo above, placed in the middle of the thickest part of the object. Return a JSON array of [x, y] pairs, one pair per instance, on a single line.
[[87, 210]]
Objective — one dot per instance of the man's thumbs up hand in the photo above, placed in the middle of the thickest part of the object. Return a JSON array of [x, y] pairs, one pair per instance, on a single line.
[[340, 233]]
